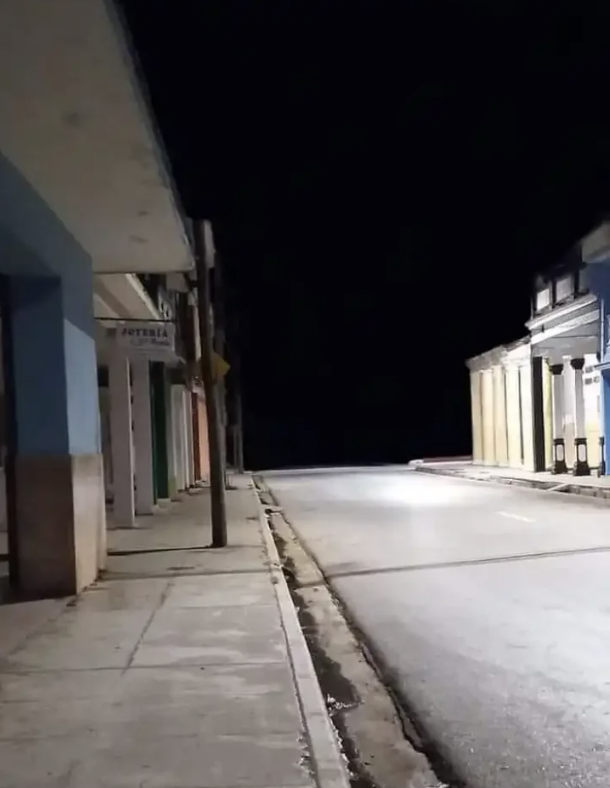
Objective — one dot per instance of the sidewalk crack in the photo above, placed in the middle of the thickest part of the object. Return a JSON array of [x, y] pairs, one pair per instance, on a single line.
[[146, 627]]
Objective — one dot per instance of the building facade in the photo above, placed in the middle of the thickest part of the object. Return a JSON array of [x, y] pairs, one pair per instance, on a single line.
[[536, 403], [595, 250], [152, 405], [102, 412]]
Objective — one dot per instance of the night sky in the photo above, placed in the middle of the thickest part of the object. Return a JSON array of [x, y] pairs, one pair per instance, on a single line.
[[383, 184]]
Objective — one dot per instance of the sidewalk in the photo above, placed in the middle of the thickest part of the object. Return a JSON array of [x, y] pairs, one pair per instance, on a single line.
[[597, 486], [181, 668]]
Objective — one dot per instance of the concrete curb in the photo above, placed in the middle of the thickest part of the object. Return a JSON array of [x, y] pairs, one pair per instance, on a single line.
[[564, 488], [329, 766]]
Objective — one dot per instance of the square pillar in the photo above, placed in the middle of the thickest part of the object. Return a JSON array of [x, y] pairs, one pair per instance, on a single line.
[[179, 450], [121, 439], [160, 430], [559, 446], [190, 448], [204, 450], [196, 442], [57, 479], [581, 462], [605, 425], [171, 443], [142, 427]]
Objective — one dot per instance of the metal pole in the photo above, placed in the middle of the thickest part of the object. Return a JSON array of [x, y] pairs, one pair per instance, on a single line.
[[203, 257]]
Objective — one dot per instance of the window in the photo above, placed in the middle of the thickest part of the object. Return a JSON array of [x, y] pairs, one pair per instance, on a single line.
[[543, 299], [564, 288]]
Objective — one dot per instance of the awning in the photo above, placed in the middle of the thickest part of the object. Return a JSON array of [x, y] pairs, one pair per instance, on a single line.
[[74, 122], [122, 296], [571, 330]]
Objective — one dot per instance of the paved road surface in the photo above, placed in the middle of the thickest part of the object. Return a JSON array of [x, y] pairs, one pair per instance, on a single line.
[[492, 605]]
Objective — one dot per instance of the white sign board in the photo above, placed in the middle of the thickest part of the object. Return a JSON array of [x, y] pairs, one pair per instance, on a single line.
[[156, 341]]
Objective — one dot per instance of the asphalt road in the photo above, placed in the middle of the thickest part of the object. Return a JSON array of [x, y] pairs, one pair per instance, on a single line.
[[491, 604]]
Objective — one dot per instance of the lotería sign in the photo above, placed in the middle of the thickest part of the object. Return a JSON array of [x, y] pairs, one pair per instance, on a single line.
[[154, 340]]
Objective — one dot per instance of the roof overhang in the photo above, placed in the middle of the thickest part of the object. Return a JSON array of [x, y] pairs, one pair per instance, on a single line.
[[595, 247], [576, 335], [122, 297], [73, 120]]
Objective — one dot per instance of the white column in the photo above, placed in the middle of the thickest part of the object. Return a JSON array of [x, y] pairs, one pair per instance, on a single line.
[[558, 400], [178, 422], [185, 440], [581, 465], [142, 428], [559, 449], [189, 438], [579, 398], [171, 444], [121, 439]]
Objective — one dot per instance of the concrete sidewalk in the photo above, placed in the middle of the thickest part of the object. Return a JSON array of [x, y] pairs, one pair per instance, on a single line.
[[181, 668], [596, 486]]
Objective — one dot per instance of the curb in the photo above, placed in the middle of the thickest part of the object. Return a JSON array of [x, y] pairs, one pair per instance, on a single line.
[[328, 763], [565, 488]]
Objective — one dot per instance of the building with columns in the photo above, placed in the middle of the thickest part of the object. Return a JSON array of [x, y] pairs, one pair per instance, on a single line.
[[100, 403], [595, 252], [152, 406], [536, 403]]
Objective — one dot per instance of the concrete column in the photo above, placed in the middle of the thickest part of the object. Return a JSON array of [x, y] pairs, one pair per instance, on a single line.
[[184, 443], [475, 403], [605, 423], [142, 427], [57, 481], [189, 438], [159, 398], [204, 451], [581, 462], [178, 424], [171, 443], [197, 475], [559, 447], [121, 439]]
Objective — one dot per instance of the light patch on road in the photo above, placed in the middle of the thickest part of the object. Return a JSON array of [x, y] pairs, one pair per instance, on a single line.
[[514, 516]]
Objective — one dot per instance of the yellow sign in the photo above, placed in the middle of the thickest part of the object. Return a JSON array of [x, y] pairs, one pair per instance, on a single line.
[[220, 367]]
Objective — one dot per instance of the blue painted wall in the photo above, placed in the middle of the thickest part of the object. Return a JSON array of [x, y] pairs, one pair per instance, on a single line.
[[50, 305]]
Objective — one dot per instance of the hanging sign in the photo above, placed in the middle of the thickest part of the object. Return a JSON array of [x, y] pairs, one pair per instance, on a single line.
[[220, 367], [155, 340]]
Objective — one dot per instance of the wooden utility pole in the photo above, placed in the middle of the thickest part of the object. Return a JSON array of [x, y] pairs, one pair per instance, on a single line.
[[204, 255]]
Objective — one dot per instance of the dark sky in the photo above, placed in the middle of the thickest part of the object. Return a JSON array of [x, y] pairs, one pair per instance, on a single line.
[[384, 180]]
